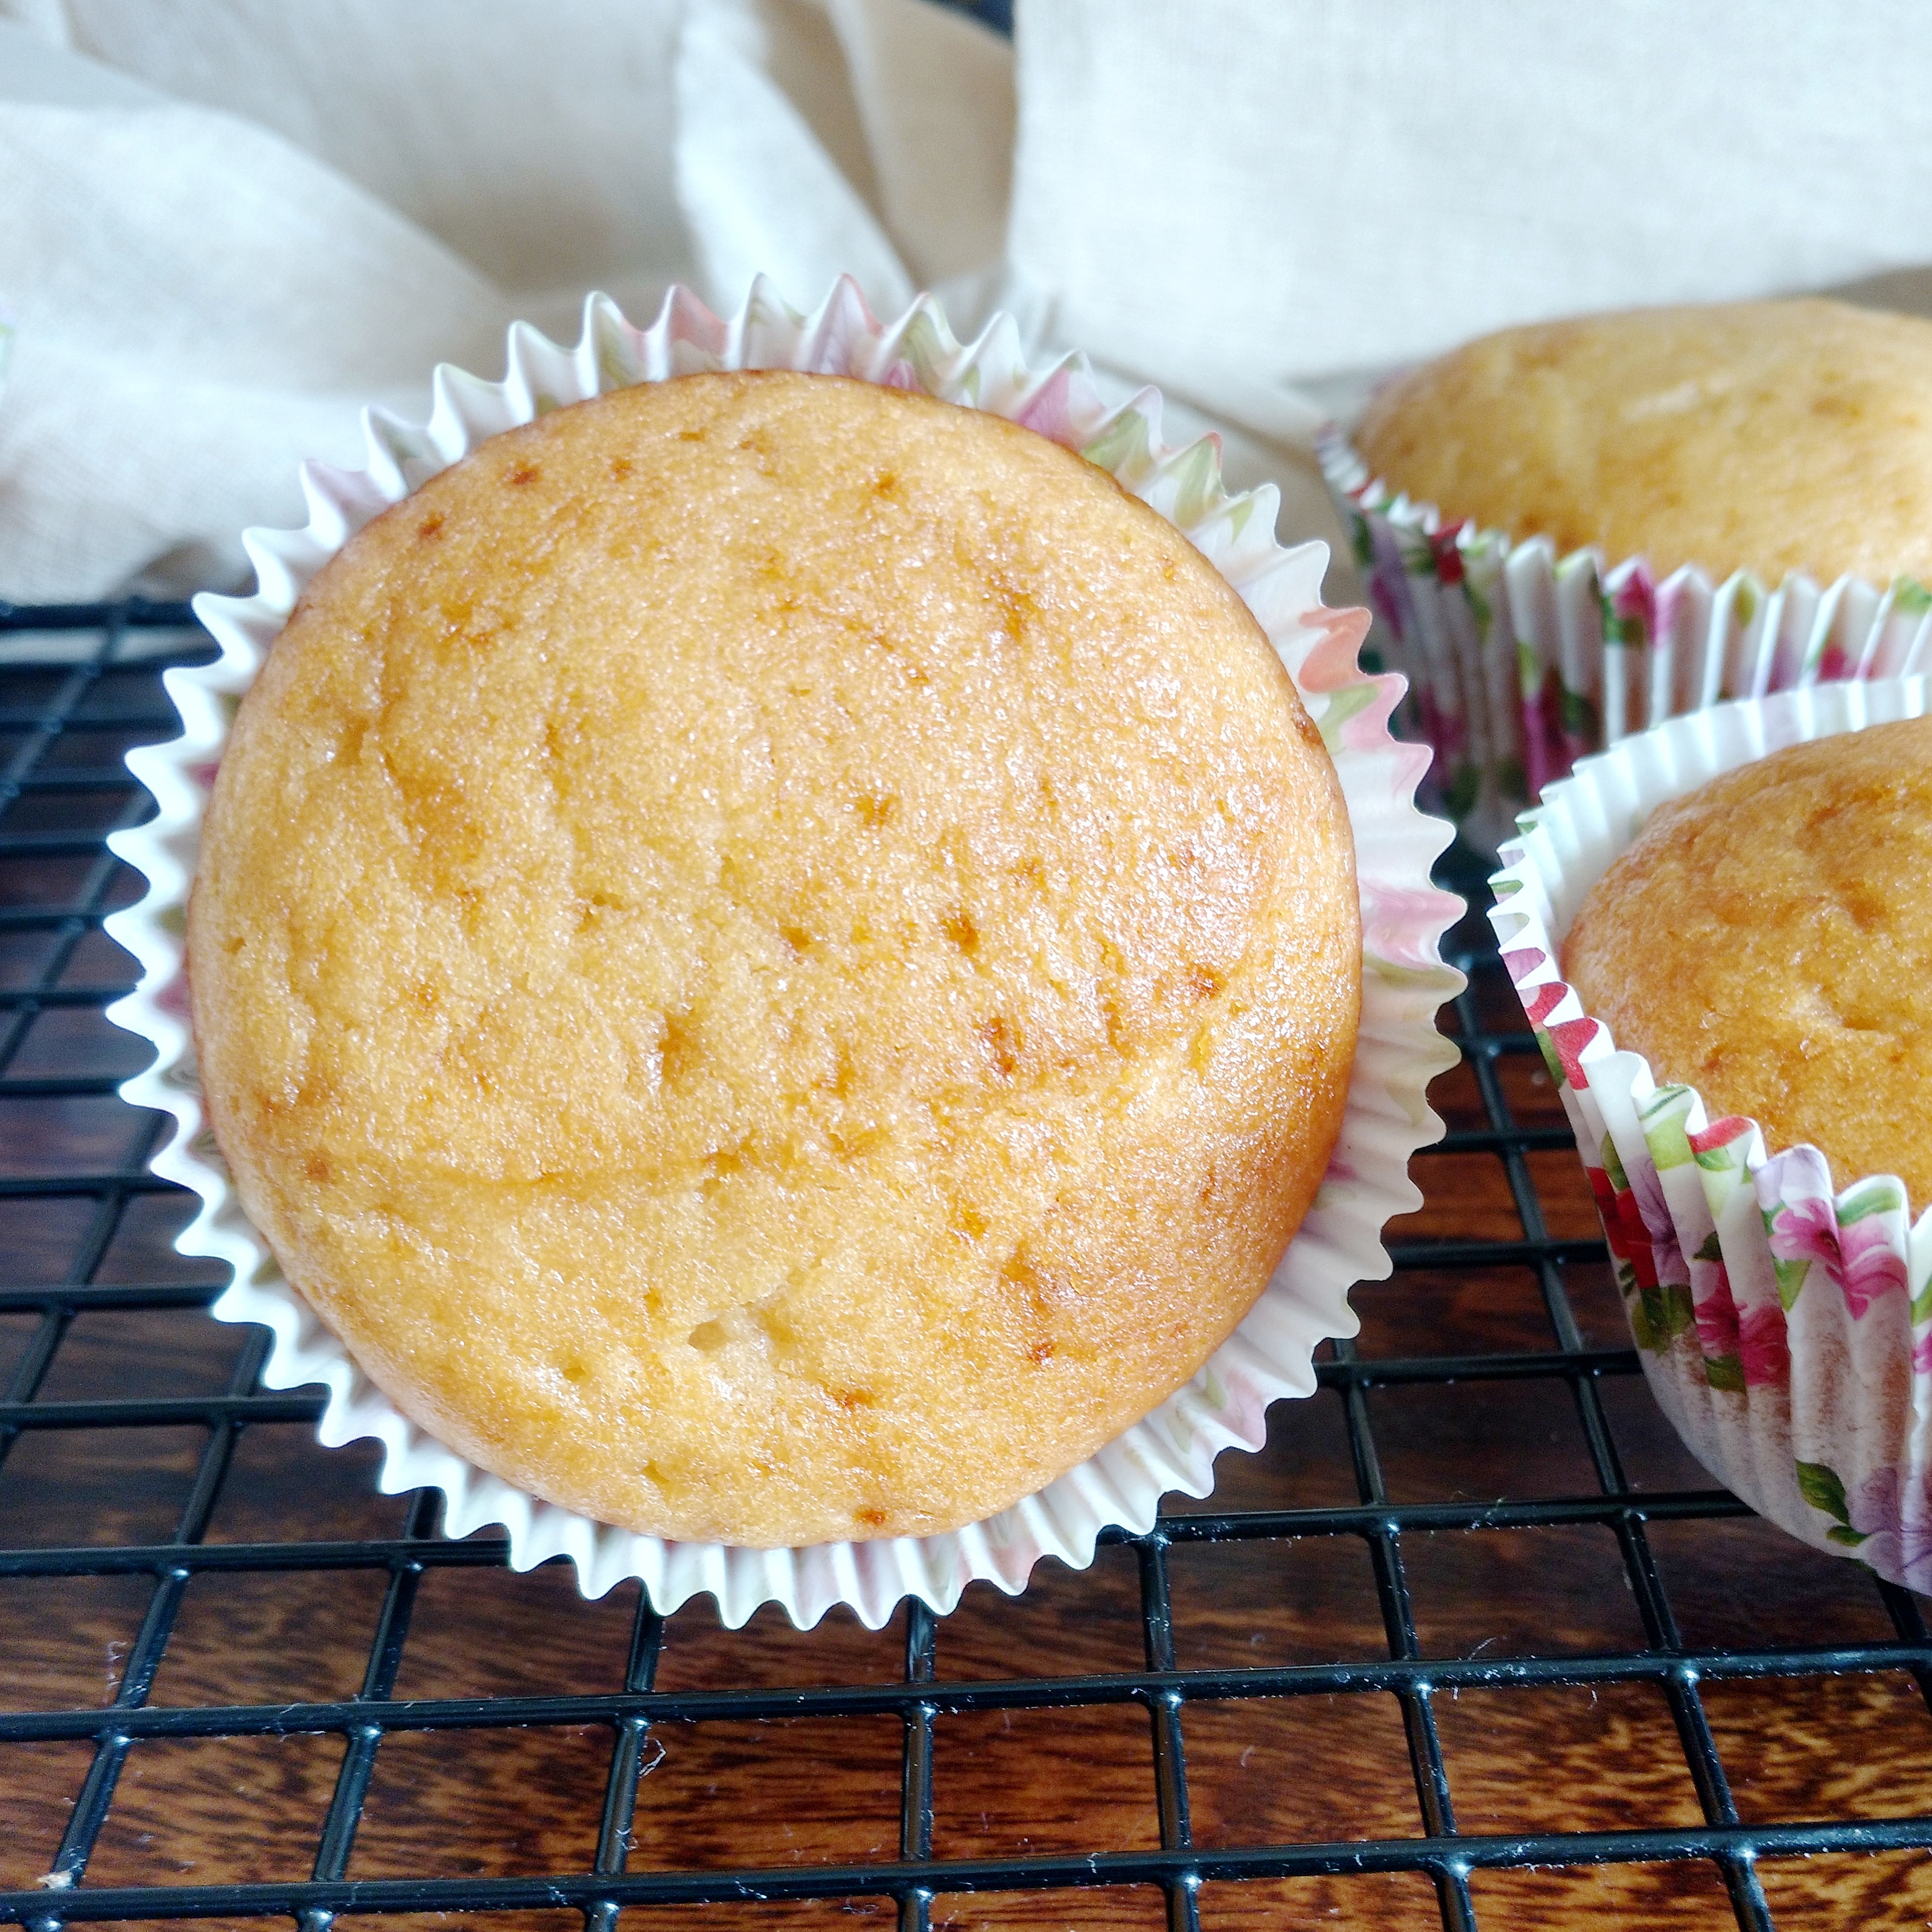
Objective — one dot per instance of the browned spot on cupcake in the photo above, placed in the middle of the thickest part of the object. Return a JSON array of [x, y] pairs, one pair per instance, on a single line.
[[523, 473], [430, 527], [958, 927], [680, 1052], [869, 1518], [1001, 1041], [621, 466], [1203, 982], [875, 809], [967, 1220], [758, 445], [1017, 610], [317, 1168], [851, 1399]]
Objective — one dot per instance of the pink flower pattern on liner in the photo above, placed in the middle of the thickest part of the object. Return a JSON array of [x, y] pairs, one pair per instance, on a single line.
[[1858, 1256], [1757, 1337]]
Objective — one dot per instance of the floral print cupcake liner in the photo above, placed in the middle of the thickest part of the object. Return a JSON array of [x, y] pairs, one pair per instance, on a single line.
[[1784, 1320], [1386, 1117], [1520, 662]]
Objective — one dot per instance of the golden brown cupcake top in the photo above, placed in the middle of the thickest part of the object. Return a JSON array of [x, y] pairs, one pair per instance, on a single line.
[[1767, 436], [1768, 939], [778, 957]]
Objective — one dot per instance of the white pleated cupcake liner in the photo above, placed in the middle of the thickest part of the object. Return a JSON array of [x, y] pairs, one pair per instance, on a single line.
[[1520, 662], [1782, 1313], [1387, 1118]]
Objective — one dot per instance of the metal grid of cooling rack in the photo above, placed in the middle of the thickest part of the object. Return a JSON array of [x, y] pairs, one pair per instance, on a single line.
[[1143, 1787]]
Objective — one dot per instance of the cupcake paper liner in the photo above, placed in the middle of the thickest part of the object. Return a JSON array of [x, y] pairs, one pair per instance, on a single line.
[[1782, 1313], [1520, 662], [1386, 1117]]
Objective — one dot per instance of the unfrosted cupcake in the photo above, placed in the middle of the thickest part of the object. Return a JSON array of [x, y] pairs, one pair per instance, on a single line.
[[1721, 931], [1770, 437], [1385, 1113], [1578, 529], [778, 957]]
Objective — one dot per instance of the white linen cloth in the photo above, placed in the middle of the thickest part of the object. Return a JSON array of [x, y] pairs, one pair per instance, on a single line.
[[226, 225]]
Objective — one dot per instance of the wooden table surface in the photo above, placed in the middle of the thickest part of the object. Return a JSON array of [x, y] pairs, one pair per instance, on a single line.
[[504, 1798]]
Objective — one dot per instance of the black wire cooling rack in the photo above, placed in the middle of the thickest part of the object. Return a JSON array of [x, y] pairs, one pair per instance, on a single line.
[[1471, 1642]]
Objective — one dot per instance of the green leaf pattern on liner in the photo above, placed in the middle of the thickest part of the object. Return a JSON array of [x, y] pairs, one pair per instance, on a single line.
[[1910, 597], [1579, 717], [1614, 1167], [1725, 1372], [1528, 670], [1660, 1314], [1729, 1159], [1125, 444], [1880, 1194], [1663, 1117], [1342, 705], [1819, 1485], [1551, 1060], [1628, 631], [1790, 1279], [1198, 477], [921, 345]]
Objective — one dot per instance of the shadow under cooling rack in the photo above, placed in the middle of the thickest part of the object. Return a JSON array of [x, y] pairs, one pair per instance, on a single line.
[[1471, 1642]]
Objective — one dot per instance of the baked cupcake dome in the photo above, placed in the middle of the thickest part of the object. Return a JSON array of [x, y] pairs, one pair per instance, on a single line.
[[1767, 436], [779, 1010], [1768, 940]]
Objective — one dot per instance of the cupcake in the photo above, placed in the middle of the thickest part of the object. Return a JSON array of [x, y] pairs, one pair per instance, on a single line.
[[1720, 931], [1183, 815], [779, 957], [1576, 530]]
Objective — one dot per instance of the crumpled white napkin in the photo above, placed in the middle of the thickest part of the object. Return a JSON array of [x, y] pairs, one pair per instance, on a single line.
[[225, 225]]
